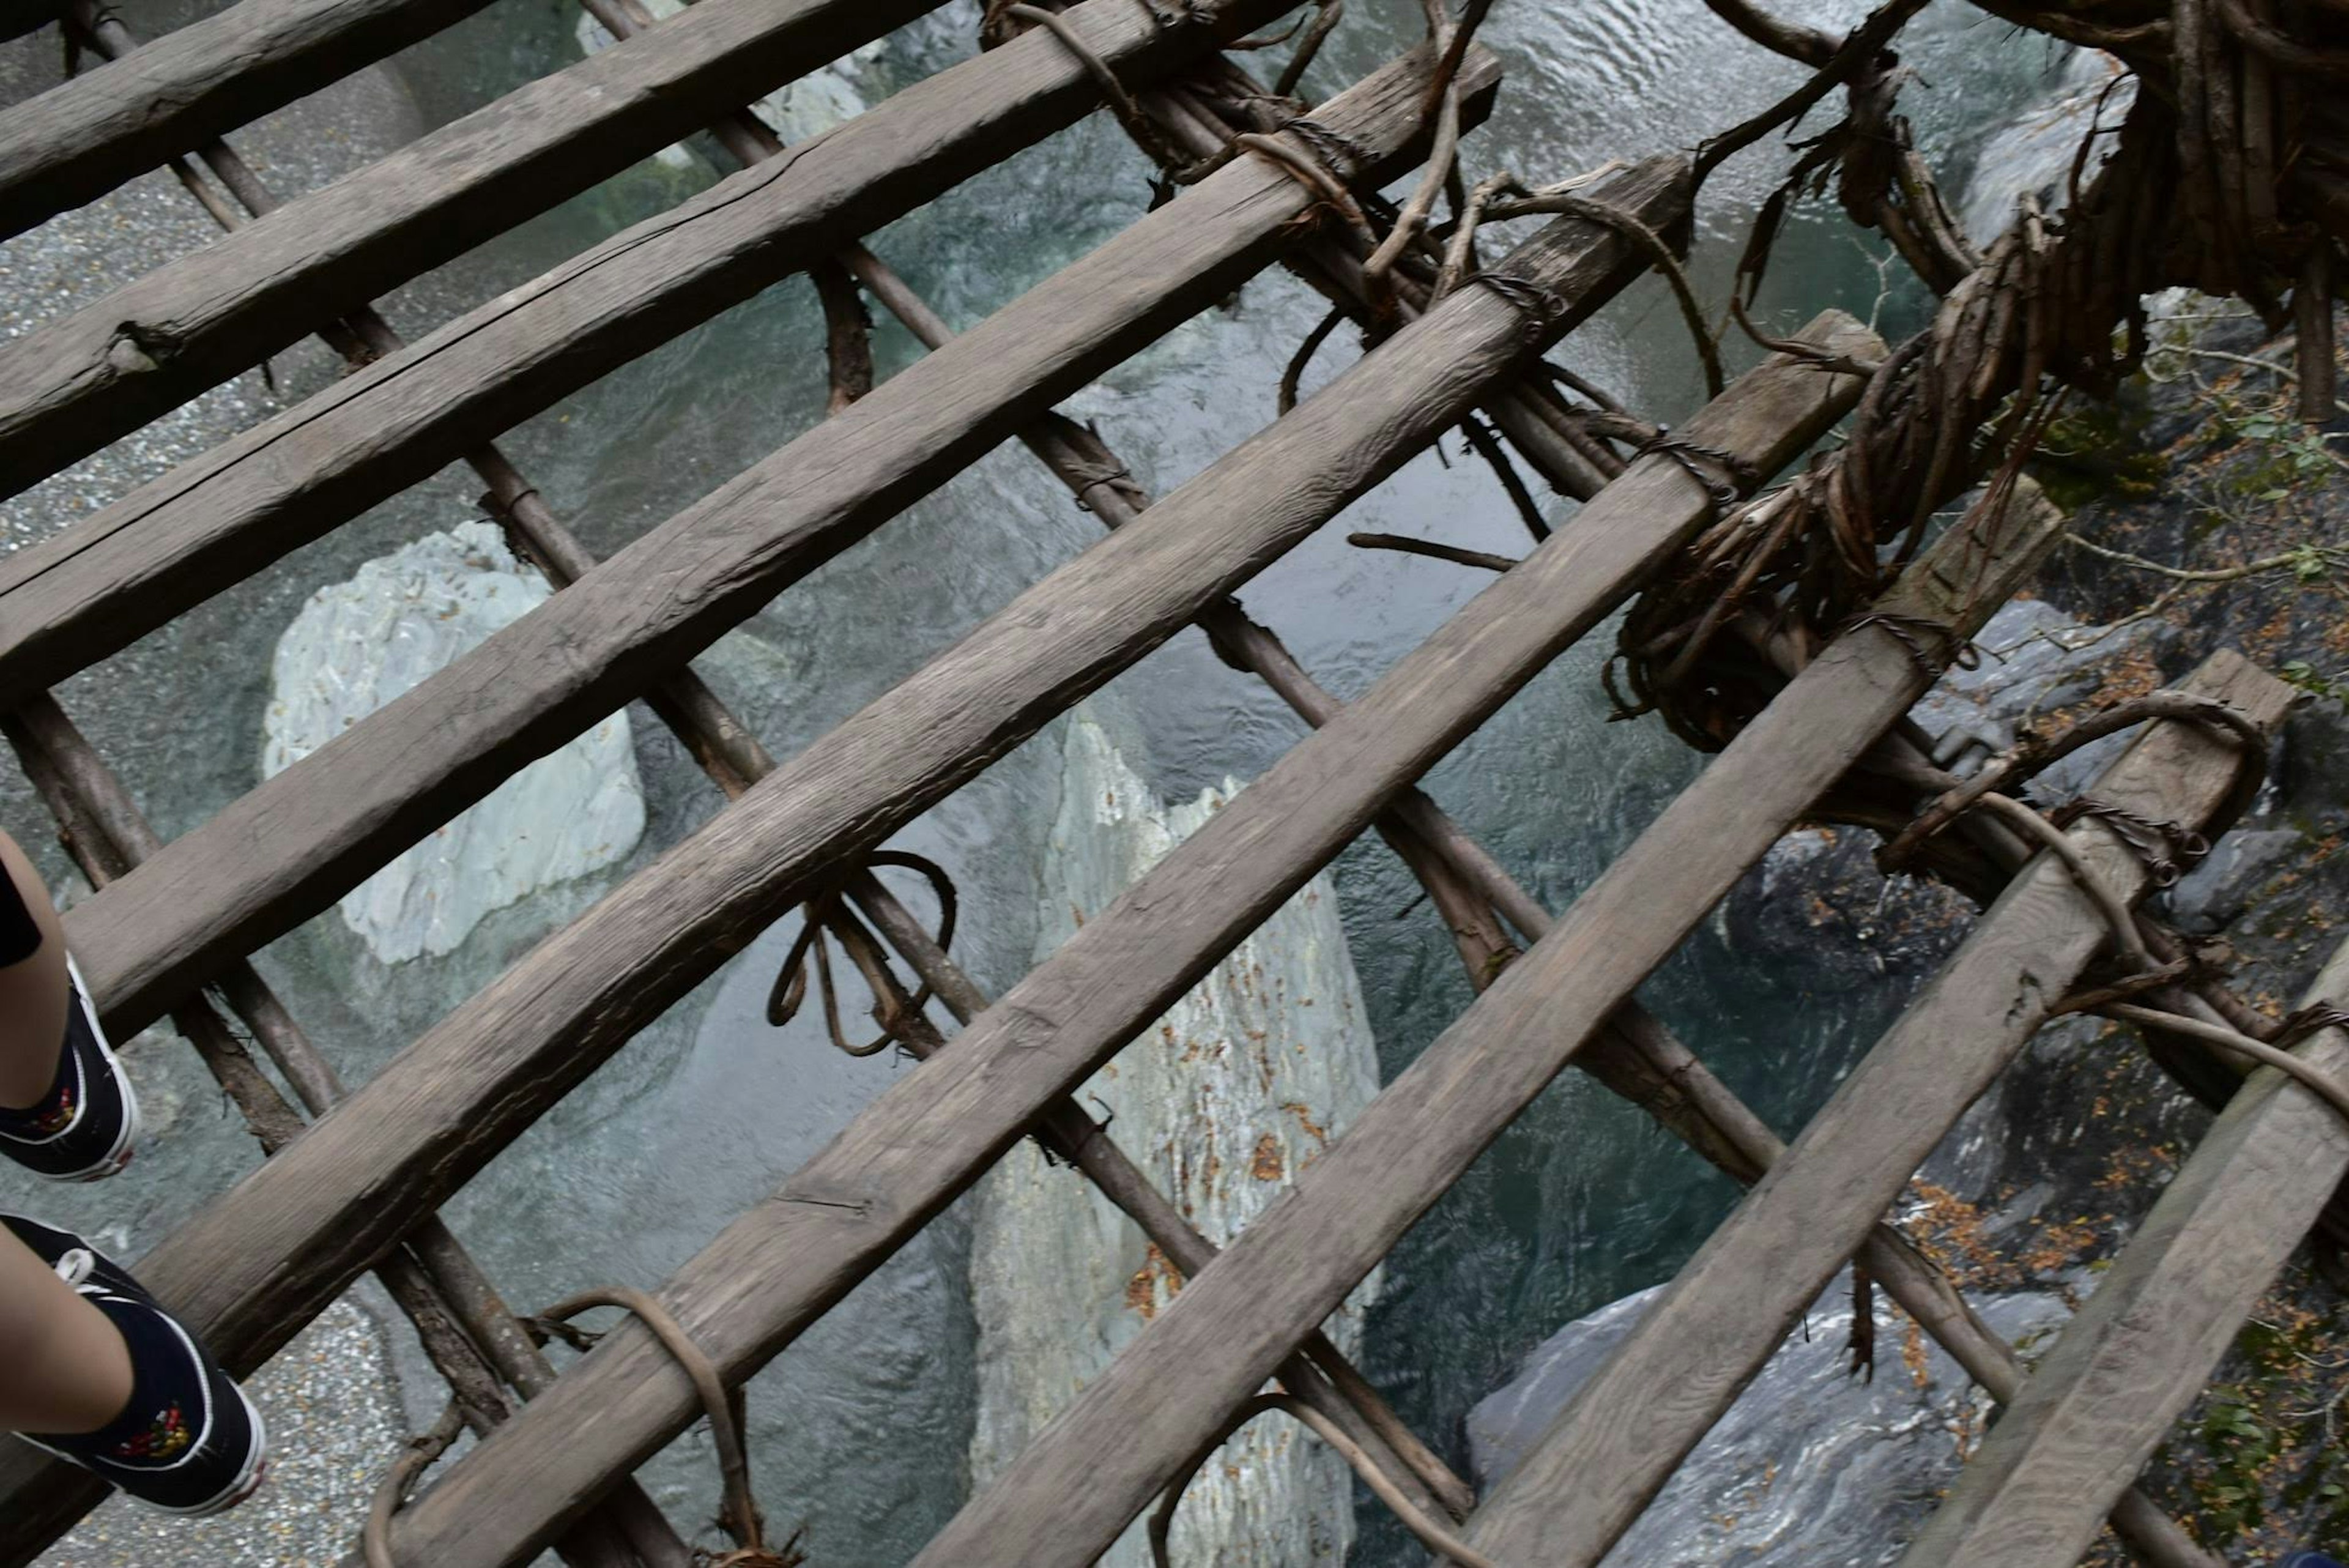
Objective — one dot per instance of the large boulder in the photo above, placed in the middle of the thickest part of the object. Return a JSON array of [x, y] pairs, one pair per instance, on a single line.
[[1812, 1468], [358, 644], [1221, 1103]]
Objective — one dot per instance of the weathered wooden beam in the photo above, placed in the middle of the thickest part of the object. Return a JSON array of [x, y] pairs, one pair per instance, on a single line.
[[777, 1269], [2161, 1317], [86, 135], [734, 761], [69, 387], [465, 1329], [1633, 1055], [112, 577], [303, 838], [1206, 1354], [1663, 1388], [264, 1257]]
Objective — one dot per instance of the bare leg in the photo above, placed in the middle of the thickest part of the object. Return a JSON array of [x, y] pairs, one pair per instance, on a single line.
[[66, 1367], [32, 997]]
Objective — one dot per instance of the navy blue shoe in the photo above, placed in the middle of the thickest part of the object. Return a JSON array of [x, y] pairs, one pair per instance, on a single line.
[[84, 1129], [189, 1441], [2308, 1560]]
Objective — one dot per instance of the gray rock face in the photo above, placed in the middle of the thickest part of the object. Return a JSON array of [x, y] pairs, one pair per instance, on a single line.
[[1810, 1467], [355, 646], [2034, 658], [2030, 155], [1238, 1087]]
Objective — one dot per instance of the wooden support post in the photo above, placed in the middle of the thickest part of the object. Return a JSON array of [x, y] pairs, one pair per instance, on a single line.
[[99, 584], [264, 1257], [734, 760], [465, 1090], [467, 1332], [69, 387], [84, 137], [774, 1271], [303, 838], [2162, 1315], [1209, 1351], [1639, 1416]]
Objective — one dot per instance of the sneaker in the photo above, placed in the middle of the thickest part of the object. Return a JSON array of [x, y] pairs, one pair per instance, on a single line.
[[84, 1129], [189, 1441]]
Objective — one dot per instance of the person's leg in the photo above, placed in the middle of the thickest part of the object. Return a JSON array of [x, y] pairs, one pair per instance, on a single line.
[[68, 1111], [181, 1435], [67, 1369], [32, 984]]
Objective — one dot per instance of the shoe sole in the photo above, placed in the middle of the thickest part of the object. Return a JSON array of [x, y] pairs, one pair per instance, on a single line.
[[124, 1147]]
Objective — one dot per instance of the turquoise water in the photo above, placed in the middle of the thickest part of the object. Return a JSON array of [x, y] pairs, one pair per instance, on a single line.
[[861, 1427]]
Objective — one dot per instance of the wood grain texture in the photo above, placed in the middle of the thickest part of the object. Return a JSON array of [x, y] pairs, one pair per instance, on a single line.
[[109, 579], [2163, 1315], [302, 839], [777, 1269], [69, 387], [1177, 1382], [264, 1257], [1671, 1378], [115, 120]]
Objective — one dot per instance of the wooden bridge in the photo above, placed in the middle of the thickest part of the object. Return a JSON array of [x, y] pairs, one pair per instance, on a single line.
[[356, 1173]]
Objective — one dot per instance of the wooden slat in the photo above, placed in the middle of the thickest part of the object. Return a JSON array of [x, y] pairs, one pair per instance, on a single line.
[[1174, 1387], [773, 1272], [302, 839], [86, 135], [1663, 1388], [2161, 1317], [264, 1257], [102, 584], [71, 387]]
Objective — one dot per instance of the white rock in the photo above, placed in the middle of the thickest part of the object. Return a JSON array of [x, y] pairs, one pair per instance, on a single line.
[[1812, 1466], [2033, 152], [1240, 1085], [357, 645]]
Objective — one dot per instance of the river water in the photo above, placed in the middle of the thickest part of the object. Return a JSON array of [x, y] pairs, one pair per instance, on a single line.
[[863, 1427]]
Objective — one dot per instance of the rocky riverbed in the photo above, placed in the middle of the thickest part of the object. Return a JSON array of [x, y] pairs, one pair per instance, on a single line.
[[2199, 465]]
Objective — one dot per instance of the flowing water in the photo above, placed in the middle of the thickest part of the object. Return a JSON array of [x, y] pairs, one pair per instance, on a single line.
[[865, 1425]]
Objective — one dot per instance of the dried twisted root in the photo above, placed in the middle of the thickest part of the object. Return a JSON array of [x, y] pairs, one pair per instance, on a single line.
[[1939, 413], [739, 1514], [1446, 1547], [826, 918]]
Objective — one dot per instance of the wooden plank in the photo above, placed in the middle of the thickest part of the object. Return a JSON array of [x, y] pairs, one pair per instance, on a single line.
[[264, 1257], [69, 387], [1639, 1416], [777, 1269], [1211, 1349], [299, 842], [99, 585], [87, 134], [2161, 1317]]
